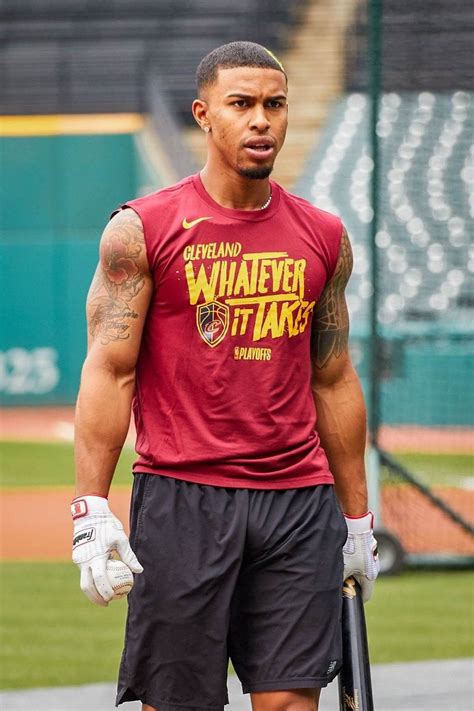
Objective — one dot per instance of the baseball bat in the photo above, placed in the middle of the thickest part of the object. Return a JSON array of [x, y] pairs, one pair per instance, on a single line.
[[355, 685]]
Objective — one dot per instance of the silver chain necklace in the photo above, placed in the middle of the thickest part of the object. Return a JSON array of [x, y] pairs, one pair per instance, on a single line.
[[267, 203]]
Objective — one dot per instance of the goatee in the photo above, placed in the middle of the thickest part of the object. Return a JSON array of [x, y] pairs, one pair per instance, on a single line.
[[256, 173]]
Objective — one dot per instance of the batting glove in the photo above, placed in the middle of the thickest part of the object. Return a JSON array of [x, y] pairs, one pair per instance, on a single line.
[[97, 533], [360, 553]]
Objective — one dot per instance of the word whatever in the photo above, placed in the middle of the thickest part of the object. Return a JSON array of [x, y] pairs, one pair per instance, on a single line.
[[263, 291]]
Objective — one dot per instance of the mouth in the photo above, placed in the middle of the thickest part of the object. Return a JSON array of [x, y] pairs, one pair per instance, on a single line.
[[260, 148]]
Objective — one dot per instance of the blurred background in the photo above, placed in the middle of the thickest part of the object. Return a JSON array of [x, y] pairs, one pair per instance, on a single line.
[[95, 109]]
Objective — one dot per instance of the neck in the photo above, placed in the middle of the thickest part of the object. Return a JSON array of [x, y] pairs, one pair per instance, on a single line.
[[235, 191]]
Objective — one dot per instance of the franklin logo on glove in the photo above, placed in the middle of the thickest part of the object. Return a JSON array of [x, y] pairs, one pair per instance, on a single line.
[[98, 534], [83, 537]]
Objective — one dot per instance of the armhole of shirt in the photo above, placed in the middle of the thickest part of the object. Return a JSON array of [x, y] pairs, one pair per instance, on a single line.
[[127, 206], [337, 250]]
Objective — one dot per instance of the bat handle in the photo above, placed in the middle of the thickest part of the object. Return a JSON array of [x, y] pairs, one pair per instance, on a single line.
[[355, 686]]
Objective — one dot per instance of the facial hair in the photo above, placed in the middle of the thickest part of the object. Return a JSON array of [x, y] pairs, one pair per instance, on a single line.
[[255, 173]]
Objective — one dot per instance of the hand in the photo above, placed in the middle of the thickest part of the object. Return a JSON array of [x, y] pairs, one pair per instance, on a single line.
[[97, 533], [360, 553]]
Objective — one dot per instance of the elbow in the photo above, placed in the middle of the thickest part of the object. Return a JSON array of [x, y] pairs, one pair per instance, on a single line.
[[119, 370], [338, 373]]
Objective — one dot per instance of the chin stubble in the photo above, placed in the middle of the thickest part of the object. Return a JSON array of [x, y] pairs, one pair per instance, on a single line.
[[255, 173]]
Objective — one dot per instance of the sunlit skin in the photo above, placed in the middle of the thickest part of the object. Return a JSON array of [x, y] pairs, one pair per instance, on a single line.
[[243, 104]]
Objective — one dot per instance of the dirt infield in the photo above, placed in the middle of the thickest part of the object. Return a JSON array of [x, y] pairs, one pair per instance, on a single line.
[[36, 525], [43, 424], [421, 527], [56, 424]]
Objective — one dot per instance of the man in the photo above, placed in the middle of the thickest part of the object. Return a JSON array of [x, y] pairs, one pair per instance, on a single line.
[[218, 308]]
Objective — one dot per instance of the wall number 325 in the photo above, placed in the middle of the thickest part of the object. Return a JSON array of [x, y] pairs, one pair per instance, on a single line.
[[25, 371]]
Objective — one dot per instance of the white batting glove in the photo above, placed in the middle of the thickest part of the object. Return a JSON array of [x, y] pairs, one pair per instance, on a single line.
[[361, 558], [98, 533]]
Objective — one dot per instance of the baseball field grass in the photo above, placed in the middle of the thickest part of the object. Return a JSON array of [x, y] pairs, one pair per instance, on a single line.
[[31, 464], [51, 634], [50, 464]]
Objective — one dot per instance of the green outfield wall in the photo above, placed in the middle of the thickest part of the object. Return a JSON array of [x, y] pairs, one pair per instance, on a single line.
[[426, 379], [56, 195]]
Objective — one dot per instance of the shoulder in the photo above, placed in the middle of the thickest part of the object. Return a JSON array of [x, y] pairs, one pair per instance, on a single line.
[[164, 195], [123, 239], [158, 199], [311, 212], [326, 229]]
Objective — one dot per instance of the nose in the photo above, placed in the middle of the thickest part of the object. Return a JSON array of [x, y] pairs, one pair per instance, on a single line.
[[259, 120]]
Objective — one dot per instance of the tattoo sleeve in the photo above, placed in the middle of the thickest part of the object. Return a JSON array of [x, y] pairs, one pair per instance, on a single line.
[[330, 327], [118, 280]]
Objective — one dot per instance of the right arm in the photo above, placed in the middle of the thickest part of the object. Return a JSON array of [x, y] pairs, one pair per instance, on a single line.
[[117, 305]]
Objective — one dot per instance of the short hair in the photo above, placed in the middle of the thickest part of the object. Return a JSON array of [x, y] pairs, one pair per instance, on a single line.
[[235, 54]]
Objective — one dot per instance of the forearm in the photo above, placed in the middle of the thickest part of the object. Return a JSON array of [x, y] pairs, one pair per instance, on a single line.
[[341, 425], [101, 426]]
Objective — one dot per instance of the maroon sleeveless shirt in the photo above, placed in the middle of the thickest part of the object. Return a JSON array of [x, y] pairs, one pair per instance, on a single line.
[[223, 392]]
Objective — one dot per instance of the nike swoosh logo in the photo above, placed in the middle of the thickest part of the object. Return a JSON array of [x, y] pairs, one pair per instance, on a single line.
[[187, 225]]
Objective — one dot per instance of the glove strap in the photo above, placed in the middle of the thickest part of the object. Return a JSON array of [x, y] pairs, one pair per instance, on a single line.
[[360, 524], [83, 505]]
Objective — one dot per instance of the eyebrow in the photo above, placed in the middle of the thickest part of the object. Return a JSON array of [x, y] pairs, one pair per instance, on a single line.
[[238, 95]]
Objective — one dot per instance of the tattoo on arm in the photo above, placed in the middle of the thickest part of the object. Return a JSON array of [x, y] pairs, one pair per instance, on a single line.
[[118, 280], [330, 328]]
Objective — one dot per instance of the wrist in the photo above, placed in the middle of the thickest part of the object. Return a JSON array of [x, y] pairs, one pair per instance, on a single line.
[[360, 524], [83, 505]]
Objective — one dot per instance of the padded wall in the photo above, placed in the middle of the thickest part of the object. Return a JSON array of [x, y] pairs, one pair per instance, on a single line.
[[56, 195]]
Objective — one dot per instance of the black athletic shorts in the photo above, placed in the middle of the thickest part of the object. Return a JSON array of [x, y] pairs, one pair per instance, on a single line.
[[250, 575]]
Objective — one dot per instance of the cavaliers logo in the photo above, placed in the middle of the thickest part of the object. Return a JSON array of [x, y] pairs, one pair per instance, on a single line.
[[212, 322]]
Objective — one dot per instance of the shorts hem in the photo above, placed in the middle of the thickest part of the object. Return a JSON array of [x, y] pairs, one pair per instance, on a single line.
[[128, 694], [310, 682]]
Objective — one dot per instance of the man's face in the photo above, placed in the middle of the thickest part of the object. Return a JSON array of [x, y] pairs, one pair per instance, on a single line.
[[248, 114]]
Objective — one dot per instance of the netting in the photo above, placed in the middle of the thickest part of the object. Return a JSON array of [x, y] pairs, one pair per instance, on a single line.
[[416, 357], [431, 521], [426, 200], [425, 263]]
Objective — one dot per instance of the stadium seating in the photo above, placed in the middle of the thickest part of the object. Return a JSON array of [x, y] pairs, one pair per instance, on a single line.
[[425, 46], [426, 261], [80, 56]]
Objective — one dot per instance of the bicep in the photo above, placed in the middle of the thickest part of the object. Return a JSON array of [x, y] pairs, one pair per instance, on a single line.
[[120, 292], [330, 325]]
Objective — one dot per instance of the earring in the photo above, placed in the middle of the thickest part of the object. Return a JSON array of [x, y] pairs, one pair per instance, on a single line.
[[206, 129]]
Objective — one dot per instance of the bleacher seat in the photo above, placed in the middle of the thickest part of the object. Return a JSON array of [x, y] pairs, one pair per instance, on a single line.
[[82, 56], [426, 202], [425, 46]]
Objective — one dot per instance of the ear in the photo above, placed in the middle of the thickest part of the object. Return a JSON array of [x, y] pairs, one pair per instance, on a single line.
[[200, 112]]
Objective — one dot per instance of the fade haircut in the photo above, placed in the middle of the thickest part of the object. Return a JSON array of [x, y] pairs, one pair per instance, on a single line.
[[235, 54]]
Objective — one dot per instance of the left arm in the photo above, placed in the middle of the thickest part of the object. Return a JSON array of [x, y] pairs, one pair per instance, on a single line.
[[337, 391]]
